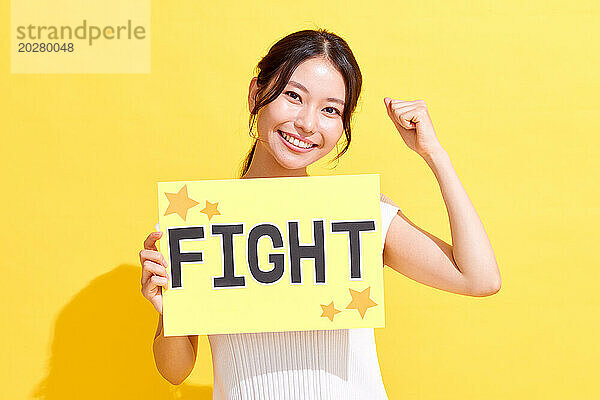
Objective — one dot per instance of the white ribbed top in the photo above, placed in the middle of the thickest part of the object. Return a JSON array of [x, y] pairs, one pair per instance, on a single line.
[[323, 364]]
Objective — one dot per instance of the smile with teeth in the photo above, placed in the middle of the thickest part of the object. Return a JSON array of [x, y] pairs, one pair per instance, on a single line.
[[296, 142]]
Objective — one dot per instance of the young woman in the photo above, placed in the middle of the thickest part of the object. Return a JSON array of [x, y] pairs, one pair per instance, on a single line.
[[301, 102]]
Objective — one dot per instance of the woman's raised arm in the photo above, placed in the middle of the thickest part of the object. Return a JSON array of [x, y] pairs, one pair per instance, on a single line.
[[468, 266]]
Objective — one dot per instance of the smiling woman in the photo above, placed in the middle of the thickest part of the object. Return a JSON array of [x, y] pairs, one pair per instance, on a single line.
[[295, 142], [304, 115], [301, 102]]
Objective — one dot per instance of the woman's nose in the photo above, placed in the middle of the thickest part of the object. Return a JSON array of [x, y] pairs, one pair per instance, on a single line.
[[307, 120]]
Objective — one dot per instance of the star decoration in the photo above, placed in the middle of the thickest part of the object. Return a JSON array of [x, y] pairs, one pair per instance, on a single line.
[[361, 301], [180, 203], [329, 311], [211, 209]]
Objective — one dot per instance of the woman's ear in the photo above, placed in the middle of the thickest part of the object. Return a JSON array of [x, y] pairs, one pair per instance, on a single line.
[[252, 93]]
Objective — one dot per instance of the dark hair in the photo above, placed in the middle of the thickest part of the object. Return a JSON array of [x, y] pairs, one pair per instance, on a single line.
[[276, 68]]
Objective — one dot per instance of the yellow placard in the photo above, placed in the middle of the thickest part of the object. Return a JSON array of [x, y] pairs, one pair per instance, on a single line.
[[272, 254]]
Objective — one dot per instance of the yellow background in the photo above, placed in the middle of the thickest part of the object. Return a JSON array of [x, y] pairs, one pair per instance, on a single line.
[[512, 88], [197, 307]]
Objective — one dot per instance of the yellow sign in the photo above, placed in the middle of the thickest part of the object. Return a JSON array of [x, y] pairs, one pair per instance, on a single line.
[[272, 254]]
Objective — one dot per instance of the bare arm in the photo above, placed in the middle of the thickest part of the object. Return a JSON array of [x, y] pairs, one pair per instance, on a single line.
[[468, 266], [174, 356]]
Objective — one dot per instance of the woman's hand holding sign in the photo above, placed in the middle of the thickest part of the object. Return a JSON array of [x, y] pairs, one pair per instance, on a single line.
[[414, 124], [174, 356], [154, 271]]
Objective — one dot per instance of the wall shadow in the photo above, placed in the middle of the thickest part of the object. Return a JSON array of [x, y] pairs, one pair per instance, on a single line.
[[102, 346]]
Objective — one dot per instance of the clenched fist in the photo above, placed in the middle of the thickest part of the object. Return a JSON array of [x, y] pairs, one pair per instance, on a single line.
[[412, 120]]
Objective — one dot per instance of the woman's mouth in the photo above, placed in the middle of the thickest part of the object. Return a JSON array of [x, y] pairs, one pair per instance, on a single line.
[[295, 144]]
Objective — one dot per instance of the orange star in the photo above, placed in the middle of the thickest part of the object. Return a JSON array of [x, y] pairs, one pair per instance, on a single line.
[[211, 209], [361, 301], [180, 203], [329, 311]]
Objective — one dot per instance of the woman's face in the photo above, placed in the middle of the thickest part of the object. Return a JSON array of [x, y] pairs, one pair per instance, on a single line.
[[304, 122]]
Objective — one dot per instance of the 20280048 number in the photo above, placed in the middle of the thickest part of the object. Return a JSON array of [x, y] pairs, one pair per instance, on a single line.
[[46, 47]]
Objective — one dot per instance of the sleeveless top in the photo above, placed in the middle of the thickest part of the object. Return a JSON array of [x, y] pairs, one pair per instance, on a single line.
[[318, 364]]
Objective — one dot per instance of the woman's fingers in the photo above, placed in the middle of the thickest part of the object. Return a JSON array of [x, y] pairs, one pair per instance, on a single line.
[[152, 255], [150, 242], [406, 102], [154, 271], [153, 263], [402, 108], [159, 281], [400, 111], [407, 113], [150, 288], [403, 116], [151, 268], [407, 119]]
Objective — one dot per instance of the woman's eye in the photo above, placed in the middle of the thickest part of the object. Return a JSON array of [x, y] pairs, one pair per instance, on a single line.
[[292, 94], [335, 110], [295, 96]]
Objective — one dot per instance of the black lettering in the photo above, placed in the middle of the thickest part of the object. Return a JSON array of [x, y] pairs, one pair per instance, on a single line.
[[229, 279], [316, 251], [354, 228], [176, 256], [278, 260]]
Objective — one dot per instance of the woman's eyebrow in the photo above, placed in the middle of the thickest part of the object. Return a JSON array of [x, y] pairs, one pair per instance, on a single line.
[[302, 87]]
